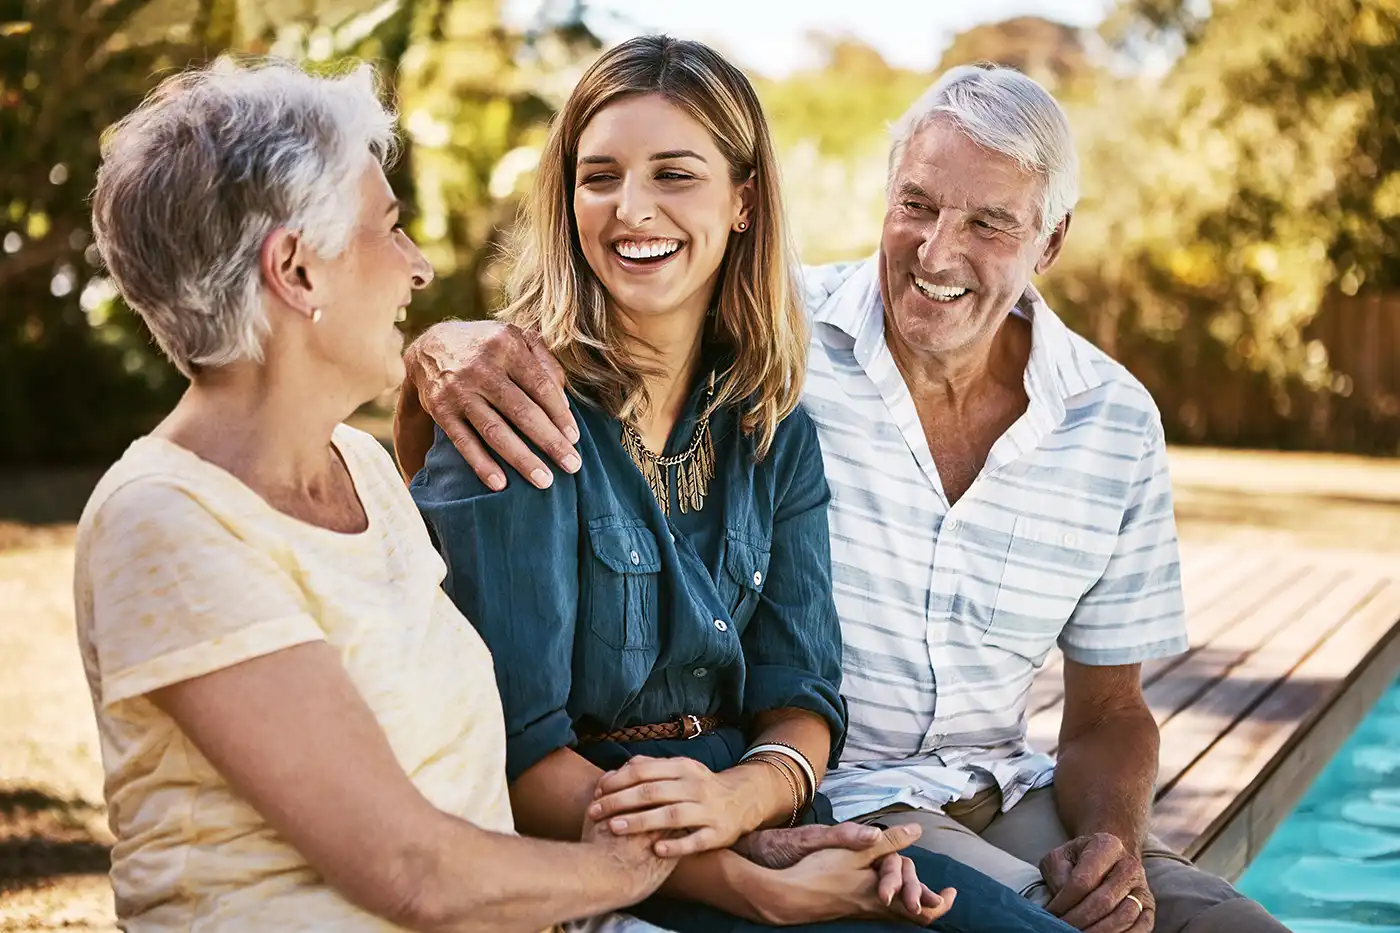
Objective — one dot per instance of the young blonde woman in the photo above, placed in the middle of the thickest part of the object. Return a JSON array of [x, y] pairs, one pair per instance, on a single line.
[[662, 621]]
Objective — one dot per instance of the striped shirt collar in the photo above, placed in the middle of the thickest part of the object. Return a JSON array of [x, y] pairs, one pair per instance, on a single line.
[[1057, 370]]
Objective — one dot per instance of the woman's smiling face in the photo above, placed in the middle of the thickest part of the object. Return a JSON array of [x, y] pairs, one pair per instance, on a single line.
[[655, 206]]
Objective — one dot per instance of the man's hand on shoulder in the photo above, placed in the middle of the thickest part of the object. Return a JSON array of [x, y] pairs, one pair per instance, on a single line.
[[482, 382]]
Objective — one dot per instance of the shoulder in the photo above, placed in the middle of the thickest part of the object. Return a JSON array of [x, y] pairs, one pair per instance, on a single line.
[[447, 478], [796, 452], [819, 283], [1119, 396], [155, 488]]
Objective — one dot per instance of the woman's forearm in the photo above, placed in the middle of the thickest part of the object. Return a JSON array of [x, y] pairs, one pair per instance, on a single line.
[[551, 799], [772, 794], [721, 879]]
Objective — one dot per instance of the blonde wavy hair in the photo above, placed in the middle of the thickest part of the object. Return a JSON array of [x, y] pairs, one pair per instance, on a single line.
[[757, 317]]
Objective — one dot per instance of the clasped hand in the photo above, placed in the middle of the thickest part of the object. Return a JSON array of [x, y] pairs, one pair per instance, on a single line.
[[696, 809], [1099, 885], [818, 872]]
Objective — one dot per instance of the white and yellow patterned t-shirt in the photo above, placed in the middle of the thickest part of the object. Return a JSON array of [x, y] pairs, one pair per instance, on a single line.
[[183, 570]]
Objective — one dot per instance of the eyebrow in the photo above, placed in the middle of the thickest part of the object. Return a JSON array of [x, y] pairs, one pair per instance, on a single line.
[[1000, 214], [655, 157], [395, 205]]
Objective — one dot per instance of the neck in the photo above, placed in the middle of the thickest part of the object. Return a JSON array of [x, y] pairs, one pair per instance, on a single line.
[[952, 379], [267, 424], [671, 348]]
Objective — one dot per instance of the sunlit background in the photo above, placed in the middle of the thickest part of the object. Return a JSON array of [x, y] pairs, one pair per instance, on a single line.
[[1236, 246]]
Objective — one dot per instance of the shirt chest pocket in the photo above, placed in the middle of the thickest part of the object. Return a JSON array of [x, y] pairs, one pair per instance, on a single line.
[[1049, 566], [622, 582], [745, 573]]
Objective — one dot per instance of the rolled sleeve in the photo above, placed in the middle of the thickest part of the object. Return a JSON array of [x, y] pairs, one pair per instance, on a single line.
[[792, 646], [523, 600], [1135, 611]]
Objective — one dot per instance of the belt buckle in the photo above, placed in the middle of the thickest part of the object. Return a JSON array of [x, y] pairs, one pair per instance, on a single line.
[[688, 723]]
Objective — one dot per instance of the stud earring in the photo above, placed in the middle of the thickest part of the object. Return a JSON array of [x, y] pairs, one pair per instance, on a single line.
[[315, 315], [742, 226]]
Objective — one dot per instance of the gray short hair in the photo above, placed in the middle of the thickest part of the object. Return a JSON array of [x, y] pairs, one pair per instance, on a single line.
[[196, 178], [1002, 110]]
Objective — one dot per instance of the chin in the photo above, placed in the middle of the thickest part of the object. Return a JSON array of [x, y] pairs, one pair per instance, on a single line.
[[394, 373]]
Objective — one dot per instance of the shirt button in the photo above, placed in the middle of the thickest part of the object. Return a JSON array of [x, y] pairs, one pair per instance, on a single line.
[[636, 558], [1069, 539], [722, 625], [757, 578], [700, 671], [952, 525]]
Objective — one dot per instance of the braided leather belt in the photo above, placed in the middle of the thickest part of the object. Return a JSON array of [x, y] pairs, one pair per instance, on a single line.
[[686, 727]]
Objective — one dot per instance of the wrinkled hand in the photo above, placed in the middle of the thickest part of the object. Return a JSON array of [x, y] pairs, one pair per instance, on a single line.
[[1090, 879], [783, 848], [635, 857], [482, 382], [874, 883], [697, 809]]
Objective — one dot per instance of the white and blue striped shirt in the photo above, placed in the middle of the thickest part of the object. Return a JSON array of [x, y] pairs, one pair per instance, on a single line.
[[1065, 537]]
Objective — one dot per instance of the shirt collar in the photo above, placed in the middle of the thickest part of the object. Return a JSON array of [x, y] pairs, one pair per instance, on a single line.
[[1058, 368]]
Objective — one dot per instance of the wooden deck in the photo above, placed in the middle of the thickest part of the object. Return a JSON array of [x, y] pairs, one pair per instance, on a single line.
[[1289, 648]]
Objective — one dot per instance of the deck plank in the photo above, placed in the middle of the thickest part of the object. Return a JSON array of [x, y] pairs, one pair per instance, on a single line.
[[1202, 799], [1261, 590], [1209, 575], [1282, 639], [1250, 661]]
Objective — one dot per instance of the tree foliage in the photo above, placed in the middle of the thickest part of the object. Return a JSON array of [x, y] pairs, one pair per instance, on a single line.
[[1241, 175]]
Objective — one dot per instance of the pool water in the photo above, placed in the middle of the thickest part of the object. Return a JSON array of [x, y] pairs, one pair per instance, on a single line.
[[1333, 865]]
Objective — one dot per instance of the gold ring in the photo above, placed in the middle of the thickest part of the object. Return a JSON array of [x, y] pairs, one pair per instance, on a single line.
[[1137, 902]]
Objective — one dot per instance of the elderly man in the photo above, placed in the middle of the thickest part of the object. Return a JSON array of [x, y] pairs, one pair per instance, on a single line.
[[999, 486]]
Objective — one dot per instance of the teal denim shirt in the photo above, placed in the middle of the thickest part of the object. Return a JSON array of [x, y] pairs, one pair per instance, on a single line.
[[601, 612]]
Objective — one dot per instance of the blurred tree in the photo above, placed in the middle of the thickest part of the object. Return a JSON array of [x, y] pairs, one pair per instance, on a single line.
[[1224, 202], [1050, 52], [79, 376]]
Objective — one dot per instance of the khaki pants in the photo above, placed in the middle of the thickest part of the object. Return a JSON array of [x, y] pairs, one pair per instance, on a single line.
[[1009, 847]]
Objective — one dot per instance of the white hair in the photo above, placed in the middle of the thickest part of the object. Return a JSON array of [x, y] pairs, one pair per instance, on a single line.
[[1002, 110], [198, 176]]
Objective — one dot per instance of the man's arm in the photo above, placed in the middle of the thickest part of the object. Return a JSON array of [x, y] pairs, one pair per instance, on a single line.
[[1108, 754], [482, 381], [1108, 739]]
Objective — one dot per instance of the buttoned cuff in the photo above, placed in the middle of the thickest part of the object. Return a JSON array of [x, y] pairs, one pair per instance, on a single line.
[[771, 687], [528, 747]]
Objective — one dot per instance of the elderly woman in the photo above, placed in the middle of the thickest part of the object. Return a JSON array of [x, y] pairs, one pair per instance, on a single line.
[[299, 729]]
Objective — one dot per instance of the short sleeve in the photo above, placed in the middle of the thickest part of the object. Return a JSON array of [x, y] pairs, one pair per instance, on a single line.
[[176, 594], [1135, 611]]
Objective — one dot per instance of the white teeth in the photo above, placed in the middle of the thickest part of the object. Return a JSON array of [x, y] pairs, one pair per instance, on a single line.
[[401, 315], [649, 249], [939, 292]]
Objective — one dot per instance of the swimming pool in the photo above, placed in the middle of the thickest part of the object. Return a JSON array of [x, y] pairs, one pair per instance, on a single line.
[[1333, 865]]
